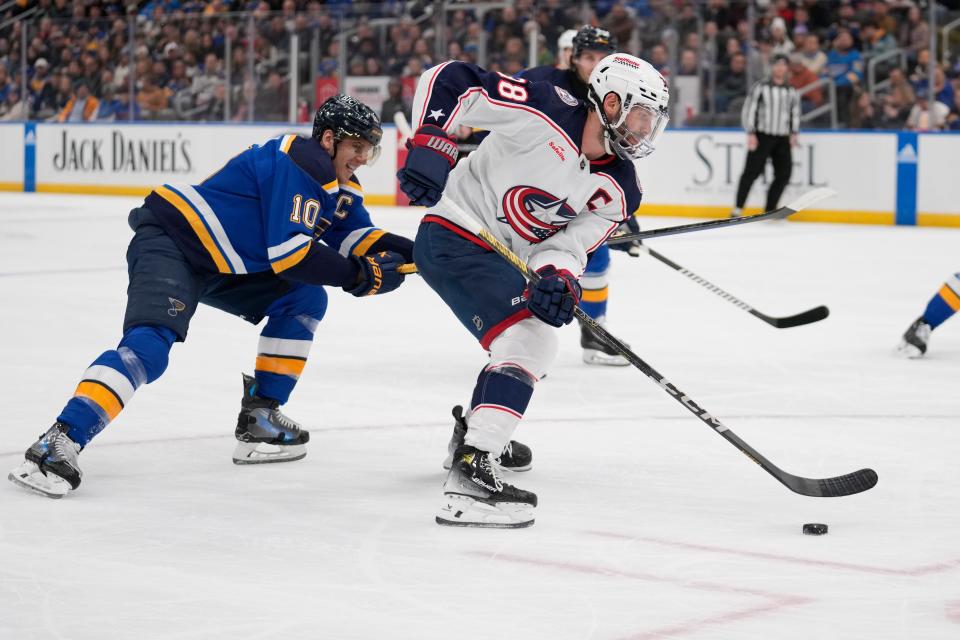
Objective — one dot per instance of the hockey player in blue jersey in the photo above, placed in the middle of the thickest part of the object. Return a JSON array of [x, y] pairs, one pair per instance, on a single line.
[[553, 180], [941, 308], [589, 46], [260, 238]]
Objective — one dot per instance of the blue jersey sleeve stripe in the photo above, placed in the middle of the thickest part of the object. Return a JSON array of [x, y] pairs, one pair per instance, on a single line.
[[281, 250], [354, 239]]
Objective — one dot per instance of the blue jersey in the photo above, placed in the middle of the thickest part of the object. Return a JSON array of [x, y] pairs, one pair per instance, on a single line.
[[268, 209], [566, 79]]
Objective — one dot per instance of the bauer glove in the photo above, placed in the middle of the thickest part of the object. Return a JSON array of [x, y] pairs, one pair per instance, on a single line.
[[430, 157], [378, 274], [554, 297]]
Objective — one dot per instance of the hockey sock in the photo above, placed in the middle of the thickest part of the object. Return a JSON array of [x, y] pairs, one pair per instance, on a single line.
[[594, 282], [110, 382], [944, 304], [500, 398], [282, 352]]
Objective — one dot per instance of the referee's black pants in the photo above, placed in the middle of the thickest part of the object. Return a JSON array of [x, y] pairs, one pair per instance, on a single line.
[[777, 148]]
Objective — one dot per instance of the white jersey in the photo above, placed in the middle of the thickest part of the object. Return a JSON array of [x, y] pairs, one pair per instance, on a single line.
[[528, 182]]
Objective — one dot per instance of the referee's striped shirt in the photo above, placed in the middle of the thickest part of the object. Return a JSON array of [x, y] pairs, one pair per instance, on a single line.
[[773, 109]]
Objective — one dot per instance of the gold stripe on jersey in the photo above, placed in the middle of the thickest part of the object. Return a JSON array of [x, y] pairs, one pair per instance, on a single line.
[[101, 395], [594, 295], [291, 260], [332, 187], [284, 366], [353, 187], [364, 245], [198, 227], [950, 297], [286, 143]]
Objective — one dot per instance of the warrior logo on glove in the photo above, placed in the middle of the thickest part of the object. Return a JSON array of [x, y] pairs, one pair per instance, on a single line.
[[535, 214]]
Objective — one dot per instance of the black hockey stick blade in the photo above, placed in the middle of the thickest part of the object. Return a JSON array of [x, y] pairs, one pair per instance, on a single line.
[[846, 485], [809, 198], [811, 315], [806, 317]]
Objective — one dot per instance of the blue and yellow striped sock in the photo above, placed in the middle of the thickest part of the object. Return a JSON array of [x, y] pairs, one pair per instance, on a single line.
[[944, 304]]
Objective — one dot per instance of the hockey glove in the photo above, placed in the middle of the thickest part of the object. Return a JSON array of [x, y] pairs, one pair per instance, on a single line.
[[554, 298], [378, 274], [630, 225], [430, 157]]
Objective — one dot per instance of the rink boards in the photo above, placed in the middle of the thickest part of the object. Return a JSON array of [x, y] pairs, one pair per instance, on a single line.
[[881, 177]]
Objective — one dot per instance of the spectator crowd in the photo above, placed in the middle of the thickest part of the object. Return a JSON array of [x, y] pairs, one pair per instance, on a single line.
[[103, 60]]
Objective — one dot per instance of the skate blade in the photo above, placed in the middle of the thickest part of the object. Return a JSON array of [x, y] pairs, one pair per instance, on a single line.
[[262, 453], [595, 357], [907, 350], [464, 511], [29, 476]]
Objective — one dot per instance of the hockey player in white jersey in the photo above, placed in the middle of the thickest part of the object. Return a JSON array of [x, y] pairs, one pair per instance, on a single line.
[[552, 181]]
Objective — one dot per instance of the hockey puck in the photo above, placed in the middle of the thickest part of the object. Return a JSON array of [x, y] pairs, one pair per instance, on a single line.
[[814, 529]]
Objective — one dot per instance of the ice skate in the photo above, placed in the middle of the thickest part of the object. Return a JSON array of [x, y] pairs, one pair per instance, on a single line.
[[263, 433], [516, 456], [475, 496], [595, 351], [915, 339], [50, 465]]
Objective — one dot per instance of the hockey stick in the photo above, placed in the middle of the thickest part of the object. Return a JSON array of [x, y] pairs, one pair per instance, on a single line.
[[810, 197], [403, 127], [806, 317], [844, 485]]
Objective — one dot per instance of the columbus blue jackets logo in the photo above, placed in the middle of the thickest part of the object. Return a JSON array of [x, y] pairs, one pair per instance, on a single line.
[[534, 214]]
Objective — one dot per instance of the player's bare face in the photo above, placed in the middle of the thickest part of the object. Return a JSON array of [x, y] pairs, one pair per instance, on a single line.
[[585, 62], [351, 155]]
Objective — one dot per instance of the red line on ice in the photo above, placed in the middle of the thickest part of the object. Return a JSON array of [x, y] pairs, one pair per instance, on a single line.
[[912, 572], [775, 601]]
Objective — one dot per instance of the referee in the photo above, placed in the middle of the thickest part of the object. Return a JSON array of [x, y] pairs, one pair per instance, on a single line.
[[771, 117]]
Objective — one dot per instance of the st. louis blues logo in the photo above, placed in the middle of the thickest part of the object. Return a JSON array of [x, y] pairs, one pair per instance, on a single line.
[[534, 214]]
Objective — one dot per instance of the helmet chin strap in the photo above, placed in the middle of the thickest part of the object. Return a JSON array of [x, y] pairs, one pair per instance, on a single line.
[[604, 122]]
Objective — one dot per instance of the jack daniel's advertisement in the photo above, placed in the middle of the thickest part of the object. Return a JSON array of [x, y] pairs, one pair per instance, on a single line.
[[122, 152]]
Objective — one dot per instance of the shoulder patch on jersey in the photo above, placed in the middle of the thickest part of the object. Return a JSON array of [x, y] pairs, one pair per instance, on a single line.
[[565, 96], [309, 155]]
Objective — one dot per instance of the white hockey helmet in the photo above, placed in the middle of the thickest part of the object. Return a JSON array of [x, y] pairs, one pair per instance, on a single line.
[[643, 97], [565, 41]]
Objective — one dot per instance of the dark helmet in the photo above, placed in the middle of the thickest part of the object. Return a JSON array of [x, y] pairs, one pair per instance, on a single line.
[[592, 38], [348, 118]]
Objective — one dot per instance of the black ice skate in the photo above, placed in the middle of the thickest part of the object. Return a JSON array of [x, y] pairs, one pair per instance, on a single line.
[[50, 465], [915, 339], [516, 456], [596, 351], [474, 495], [263, 433]]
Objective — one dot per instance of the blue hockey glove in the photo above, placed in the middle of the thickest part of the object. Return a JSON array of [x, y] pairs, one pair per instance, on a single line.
[[378, 274], [431, 155], [630, 225], [554, 297]]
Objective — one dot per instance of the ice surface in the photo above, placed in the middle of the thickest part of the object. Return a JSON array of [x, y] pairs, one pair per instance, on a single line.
[[650, 525]]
